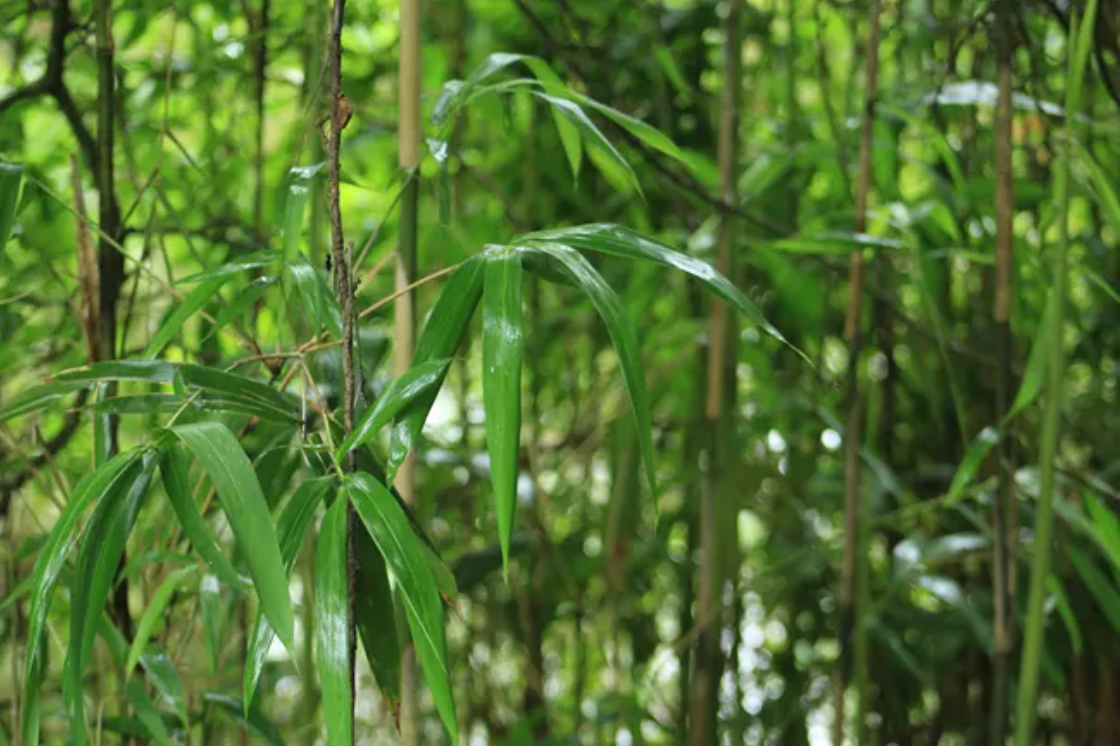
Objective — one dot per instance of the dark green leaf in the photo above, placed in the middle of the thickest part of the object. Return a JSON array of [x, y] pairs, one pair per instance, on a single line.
[[618, 241], [971, 462], [332, 623], [176, 482], [147, 713], [210, 602], [254, 721], [11, 186], [375, 617], [241, 303], [291, 527], [404, 555], [502, 348], [154, 612], [1102, 589], [439, 340], [106, 480], [622, 335], [412, 384], [190, 305], [99, 556], [244, 504]]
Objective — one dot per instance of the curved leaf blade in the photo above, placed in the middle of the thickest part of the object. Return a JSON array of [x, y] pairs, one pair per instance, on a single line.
[[175, 471], [606, 238], [290, 529], [108, 478], [190, 305], [245, 506], [153, 614], [387, 524], [440, 338], [503, 345], [102, 546], [406, 388], [622, 335]]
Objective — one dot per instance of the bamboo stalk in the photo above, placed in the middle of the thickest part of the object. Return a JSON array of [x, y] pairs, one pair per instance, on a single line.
[[404, 325], [708, 660], [1002, 523], [854, 425]]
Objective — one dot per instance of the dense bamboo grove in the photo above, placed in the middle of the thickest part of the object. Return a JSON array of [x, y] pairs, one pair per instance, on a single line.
[[600, 372]]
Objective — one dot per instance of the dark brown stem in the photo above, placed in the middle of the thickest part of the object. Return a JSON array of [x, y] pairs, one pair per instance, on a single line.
[[1002, 513]]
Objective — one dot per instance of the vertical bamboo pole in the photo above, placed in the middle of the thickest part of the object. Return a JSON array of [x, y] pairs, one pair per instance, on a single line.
[[853, 429], [708, 661], [408, 143], [1002, 513]]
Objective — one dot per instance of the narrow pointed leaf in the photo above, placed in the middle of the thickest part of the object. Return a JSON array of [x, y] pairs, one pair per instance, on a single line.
[[622, 335], [971, 462], [290, 529], [244, 263], [114, 475], [241, 303], [153, 614], [37, 398], [255, 721], [142, 371], [332, 624], [318, 304], [417, 381], [502, 348], [404, 555], [99, 557], [245, 506], [11, 186], [1102, 589], [175, 471], [592, 134], [375, 617], [616, 240], [439, 340], [189, 306], [147, 713]]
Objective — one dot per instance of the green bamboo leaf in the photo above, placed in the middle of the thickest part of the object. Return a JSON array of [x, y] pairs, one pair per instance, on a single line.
[[244, 504], [1106, 527], [295, 206], [645, 132], [439, 340], [160, 670], [147, 713], [572, 112], [154, 613], [502, 347], [375, 617], [241, 303], [568, 132], [398, 395], [290, 529], [973, 458], [622, 335], [616, 240], [332, 624], [210, 602], [142, 371], [175, 471], [244, 263], [319, 305], [255, 721], [404, 555], [112, 476], [230, 389], [1035, 373], [137, 404], [834, 243], [11, 186], [37, 398], [189, 306], [1068, 619], [99, 556], [1103, 186], [1100, 587]]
